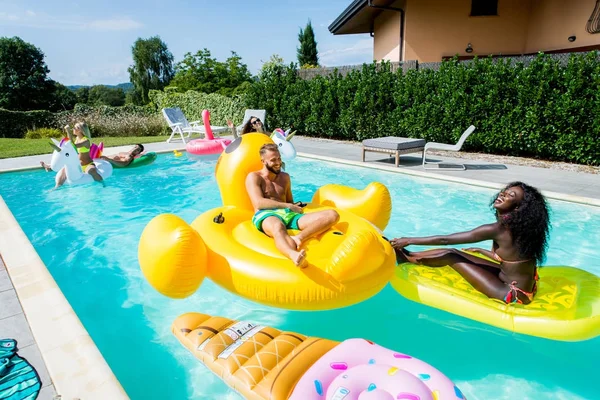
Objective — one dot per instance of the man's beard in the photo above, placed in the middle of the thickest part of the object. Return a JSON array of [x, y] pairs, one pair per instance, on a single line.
[[271, 169]]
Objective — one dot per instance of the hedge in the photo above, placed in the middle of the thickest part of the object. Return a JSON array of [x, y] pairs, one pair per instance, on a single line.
[[14, 124], [127, 120], [545, 109], [222, 108]]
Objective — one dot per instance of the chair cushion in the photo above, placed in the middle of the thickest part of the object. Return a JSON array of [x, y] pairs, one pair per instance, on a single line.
[[394, 143]]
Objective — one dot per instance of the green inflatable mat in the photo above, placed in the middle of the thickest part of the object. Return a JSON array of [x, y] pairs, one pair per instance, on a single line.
[[144, 159]]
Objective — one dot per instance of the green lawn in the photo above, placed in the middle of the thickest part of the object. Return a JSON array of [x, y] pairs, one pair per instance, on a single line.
[[30, 147]]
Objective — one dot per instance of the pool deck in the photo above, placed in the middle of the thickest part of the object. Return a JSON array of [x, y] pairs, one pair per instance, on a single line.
[[73, 367]]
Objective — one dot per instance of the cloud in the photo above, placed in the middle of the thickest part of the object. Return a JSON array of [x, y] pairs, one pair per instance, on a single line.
[[31, 19], [115, 24], [360, 51]]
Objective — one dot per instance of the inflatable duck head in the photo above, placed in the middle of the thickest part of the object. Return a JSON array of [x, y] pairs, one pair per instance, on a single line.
[[241, 157]]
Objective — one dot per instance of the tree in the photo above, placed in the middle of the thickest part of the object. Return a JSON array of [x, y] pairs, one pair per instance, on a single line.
[[152, 67], [104, 95], [62, 98], [23, 76], [307, 52], [203, 73]]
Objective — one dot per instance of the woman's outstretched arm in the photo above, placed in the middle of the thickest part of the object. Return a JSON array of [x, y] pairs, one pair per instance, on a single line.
[[484, 232]]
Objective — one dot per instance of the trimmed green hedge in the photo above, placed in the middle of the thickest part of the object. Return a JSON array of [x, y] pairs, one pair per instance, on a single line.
[[14, 124], [192, 103], [543, 109]]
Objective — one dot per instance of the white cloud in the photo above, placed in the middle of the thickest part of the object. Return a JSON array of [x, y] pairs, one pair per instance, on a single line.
[[32, 19], [361, 50], [115, 24]]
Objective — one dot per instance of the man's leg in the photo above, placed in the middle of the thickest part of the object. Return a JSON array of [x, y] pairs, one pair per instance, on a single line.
[[314, 223], [275, 228]]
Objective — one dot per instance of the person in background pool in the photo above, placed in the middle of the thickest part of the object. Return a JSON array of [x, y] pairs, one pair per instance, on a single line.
[[254, 124], [123, 159], [520, 239], [82, 140]]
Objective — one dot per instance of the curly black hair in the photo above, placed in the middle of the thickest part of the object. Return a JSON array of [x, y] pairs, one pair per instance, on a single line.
[[529, 223]]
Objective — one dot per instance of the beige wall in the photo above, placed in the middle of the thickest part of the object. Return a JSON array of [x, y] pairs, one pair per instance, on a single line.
[[386, 43], [553, 21], [437, 28]]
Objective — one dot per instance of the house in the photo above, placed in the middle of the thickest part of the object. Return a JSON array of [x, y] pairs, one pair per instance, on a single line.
[[431, 30]]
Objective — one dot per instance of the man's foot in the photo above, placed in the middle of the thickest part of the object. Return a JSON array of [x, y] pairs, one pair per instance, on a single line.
[[298, 258], [297, 240], [46, 166]]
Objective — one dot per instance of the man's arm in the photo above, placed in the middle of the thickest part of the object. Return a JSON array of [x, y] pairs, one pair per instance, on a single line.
[[256, 195], [116, 162]]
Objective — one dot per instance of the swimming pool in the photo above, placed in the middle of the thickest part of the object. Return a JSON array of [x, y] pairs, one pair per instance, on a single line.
[[88, 236]]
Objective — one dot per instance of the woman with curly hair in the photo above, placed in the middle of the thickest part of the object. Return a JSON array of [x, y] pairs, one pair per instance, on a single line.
[[520, 238]]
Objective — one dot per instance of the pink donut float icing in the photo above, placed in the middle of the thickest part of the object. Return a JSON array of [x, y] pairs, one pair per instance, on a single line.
[[209, 145], [357, 369]]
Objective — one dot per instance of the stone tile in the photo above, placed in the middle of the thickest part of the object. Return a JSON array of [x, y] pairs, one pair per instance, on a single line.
[[47, 393], [9, 304], [33, 355], [5, 283], [17, 327]]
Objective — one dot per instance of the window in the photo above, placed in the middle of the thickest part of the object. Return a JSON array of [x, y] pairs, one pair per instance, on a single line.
[[484, 7]]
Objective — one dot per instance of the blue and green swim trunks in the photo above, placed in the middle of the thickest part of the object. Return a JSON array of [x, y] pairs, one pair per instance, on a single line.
[[287, 216]]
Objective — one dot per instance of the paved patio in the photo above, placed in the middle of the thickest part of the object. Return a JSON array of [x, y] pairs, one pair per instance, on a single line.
[[13, 322], [550, 180]]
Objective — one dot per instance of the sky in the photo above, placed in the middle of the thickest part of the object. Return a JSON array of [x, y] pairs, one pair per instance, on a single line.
[[89, 42]]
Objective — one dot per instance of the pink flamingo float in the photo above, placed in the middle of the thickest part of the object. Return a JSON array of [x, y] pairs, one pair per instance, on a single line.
[[209, 145]]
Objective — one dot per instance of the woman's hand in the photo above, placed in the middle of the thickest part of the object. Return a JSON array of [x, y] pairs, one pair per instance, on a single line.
[[399, 243], [472, 249]]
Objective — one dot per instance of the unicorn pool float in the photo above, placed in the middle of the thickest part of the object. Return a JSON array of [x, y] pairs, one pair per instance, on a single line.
[[209, 145], [283, 141], [264, 363], [347, 264], [65, 155]]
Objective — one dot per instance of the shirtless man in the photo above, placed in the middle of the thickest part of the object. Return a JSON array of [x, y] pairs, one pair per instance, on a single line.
[[270, 191], [123, 159]]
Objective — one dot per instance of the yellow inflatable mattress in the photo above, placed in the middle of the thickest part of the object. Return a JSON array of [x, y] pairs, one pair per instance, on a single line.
[[566, 306]]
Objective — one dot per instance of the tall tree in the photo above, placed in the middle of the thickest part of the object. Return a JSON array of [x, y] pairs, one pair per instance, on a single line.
[[152, 67], [23, 76], [307, 52]]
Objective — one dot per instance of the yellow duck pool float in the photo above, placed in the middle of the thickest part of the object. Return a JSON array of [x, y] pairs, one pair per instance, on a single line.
[[566, 306], [347, 264]]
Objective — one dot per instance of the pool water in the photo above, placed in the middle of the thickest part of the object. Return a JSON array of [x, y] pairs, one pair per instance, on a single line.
[[88, 236]]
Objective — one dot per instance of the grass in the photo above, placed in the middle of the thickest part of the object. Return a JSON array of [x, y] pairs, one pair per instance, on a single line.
[[30, 147]]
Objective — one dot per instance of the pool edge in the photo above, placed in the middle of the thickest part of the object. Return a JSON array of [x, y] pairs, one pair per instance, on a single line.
[[34, 167], [466, 181], [75, 365]]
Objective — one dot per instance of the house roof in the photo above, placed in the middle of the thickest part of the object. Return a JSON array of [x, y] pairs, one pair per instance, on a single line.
[[357, 17]]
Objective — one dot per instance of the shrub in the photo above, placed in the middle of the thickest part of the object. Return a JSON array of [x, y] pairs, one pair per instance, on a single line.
[[45, 133], [128, 120], [14, 124], [192, 103], [544, 109]]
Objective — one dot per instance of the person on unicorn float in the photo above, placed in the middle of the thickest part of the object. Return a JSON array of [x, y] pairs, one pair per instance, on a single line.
[[82, 140]]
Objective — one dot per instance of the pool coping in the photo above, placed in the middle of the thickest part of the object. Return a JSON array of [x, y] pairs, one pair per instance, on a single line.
[[76, 366], [465, 181]]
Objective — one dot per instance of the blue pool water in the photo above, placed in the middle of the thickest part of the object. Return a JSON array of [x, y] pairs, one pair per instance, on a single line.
[[88, 236]]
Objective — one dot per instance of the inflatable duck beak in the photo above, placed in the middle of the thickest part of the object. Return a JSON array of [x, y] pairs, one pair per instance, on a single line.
[[289, 137], [55, 145]]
